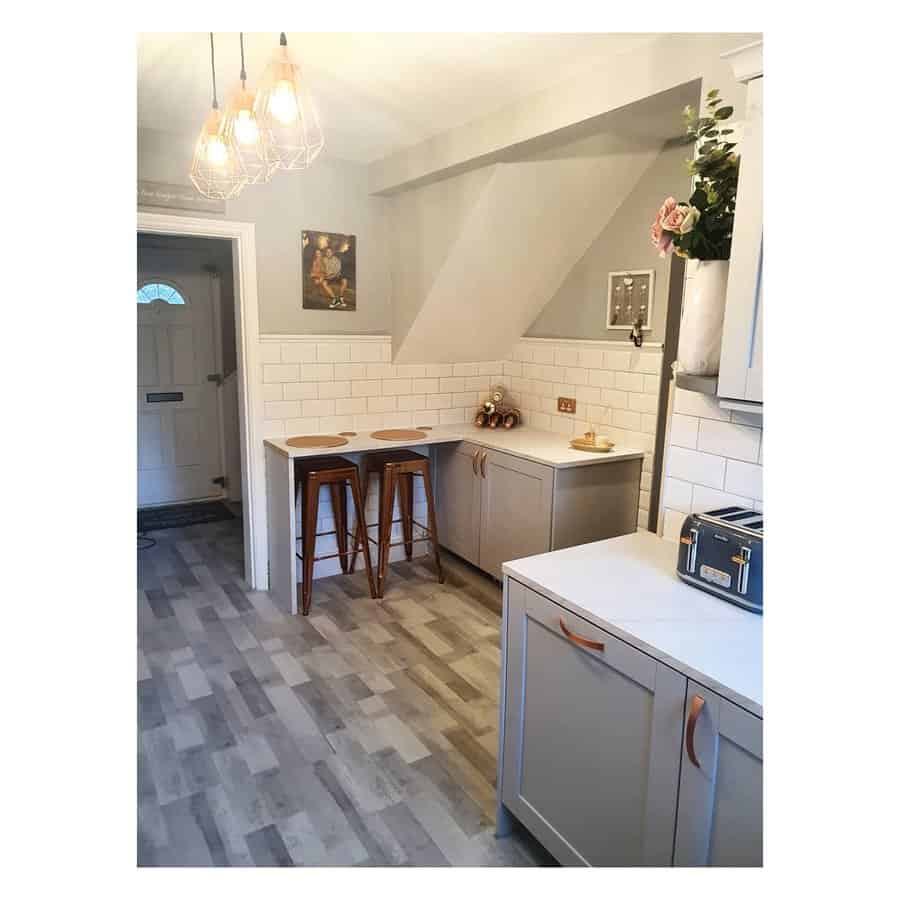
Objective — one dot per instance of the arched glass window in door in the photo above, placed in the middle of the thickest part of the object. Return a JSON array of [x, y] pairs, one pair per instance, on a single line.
[[156, 290]]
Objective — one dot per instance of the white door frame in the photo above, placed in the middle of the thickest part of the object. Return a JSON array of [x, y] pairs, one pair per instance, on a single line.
[[246, 322]]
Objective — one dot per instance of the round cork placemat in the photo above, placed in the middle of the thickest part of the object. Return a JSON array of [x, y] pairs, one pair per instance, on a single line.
[[308, 441], [398, 434]]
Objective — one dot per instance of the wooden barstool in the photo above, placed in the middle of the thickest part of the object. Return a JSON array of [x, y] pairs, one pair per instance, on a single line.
[[395, 470], [310, 475]]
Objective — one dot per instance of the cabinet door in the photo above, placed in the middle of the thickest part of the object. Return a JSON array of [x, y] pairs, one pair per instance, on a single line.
[[458, 499], [516, 510], [740, 369], [721, 796], [591, 738]]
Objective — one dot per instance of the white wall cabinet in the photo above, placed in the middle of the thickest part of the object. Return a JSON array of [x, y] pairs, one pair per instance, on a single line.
[[494, 506], [741, 362], [613, 758]]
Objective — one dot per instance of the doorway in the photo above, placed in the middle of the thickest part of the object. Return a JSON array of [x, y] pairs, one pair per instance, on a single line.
[[188, 430]]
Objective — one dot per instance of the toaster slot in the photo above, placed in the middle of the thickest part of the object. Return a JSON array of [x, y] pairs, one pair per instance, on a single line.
[[690, 540], [742, 560]]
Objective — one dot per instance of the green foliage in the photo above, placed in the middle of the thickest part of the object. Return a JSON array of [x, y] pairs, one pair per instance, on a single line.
[[715, 169]]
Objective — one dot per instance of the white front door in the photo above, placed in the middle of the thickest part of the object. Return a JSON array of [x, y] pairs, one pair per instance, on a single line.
[[178, 427]]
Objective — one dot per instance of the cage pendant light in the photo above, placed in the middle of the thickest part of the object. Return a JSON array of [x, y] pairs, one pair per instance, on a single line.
[[217, 170], [240, 126], [286, 112]]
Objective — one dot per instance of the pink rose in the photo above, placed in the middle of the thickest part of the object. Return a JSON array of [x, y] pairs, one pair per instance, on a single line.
[[666, 208], [675, 218], [660, 239]]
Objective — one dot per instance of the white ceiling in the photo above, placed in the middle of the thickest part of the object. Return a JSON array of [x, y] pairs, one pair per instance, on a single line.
[[376, 92]]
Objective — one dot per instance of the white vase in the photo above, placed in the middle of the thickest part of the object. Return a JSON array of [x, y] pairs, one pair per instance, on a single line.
[[702, 315]]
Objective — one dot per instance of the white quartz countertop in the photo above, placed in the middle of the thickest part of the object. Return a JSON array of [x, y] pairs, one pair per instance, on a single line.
[[528, 443], [628, 586]]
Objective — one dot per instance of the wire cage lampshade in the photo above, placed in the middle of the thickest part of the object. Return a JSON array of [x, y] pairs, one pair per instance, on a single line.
[[241, 127], [217, 170], [287, 114]]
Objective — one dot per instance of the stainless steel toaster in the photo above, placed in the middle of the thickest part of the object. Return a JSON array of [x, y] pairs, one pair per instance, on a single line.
[[722, 552]]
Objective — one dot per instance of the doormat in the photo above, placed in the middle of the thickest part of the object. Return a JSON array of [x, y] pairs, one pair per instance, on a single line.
[[160, 517]]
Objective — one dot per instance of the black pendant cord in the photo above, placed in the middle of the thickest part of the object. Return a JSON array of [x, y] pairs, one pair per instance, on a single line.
[[212, 62], [243, 70]]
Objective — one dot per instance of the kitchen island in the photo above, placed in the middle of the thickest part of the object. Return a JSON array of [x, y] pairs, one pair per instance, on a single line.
[[545, 494], [631, 710]]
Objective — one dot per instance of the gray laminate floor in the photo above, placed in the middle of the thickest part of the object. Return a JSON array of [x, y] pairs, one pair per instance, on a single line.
[[365, 734]]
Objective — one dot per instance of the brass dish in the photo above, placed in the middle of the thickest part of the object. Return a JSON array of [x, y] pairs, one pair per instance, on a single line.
[[601, 446]]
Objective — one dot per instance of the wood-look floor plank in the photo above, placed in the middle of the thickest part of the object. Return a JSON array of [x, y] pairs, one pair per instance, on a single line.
[[364, 734]]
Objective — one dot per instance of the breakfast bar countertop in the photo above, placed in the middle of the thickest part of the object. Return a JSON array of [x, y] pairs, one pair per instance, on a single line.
[[545, 447]]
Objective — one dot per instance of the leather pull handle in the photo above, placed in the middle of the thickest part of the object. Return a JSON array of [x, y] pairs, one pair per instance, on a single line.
[[581, 641], [697, 704]]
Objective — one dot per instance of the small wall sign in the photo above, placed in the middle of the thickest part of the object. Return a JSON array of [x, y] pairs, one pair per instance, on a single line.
[[176, 196], [630, 297]]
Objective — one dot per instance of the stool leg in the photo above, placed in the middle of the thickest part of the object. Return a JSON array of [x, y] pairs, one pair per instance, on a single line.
[[360, 533], [338, 491], [385, 524], [360, 509], [432, 524], [405, 489], [310, 520]]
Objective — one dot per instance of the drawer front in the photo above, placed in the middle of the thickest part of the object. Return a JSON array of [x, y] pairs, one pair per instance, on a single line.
[[591, 744]]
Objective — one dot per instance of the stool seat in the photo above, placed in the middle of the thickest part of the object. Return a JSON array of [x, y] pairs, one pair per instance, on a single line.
[[396, 469], [310, 474]]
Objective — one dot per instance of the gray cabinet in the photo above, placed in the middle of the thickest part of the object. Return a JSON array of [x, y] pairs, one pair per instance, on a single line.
[[458, 499], [720, 799], [494, 506], [516, 508], [612, 758], [740, 367], [591, 736]]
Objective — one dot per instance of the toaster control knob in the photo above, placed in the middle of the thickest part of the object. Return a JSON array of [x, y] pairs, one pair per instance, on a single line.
[[742, 560]]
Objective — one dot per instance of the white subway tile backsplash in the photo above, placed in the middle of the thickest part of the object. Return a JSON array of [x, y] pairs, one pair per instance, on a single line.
[[728, 439], [349, 371], [449, 385], [441, 370], [282, 409], [317, 372], [333, 353], [683, 431], [439, 401], [273, 391], [652, 384], [395, 386], [298, 352], [425, 385], [647, 361], [601, 378], [645, 403], [381, 370], [365, 388], [615, 399], [707, 499], [367, 351], [413, 401], [566, 356], [301, 426], [627, 419], [696, 467], [453, 416], [618, 360], [318, 408], [629, 381], [678, 494], [302, 390], [332, 390], [745, 479], [269, 352], [350, 405], [281, 373], [382, 404]]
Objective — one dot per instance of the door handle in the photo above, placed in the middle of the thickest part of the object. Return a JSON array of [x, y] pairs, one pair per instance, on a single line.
[[581, 641], [697, 704], [217, 378], [475, 462], [483, 458]]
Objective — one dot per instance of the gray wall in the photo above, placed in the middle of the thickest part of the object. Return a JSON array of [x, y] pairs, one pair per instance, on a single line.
[[578, 309], [332, 195]]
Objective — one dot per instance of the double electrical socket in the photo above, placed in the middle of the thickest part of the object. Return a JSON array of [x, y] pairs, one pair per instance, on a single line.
[[565, 404]]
